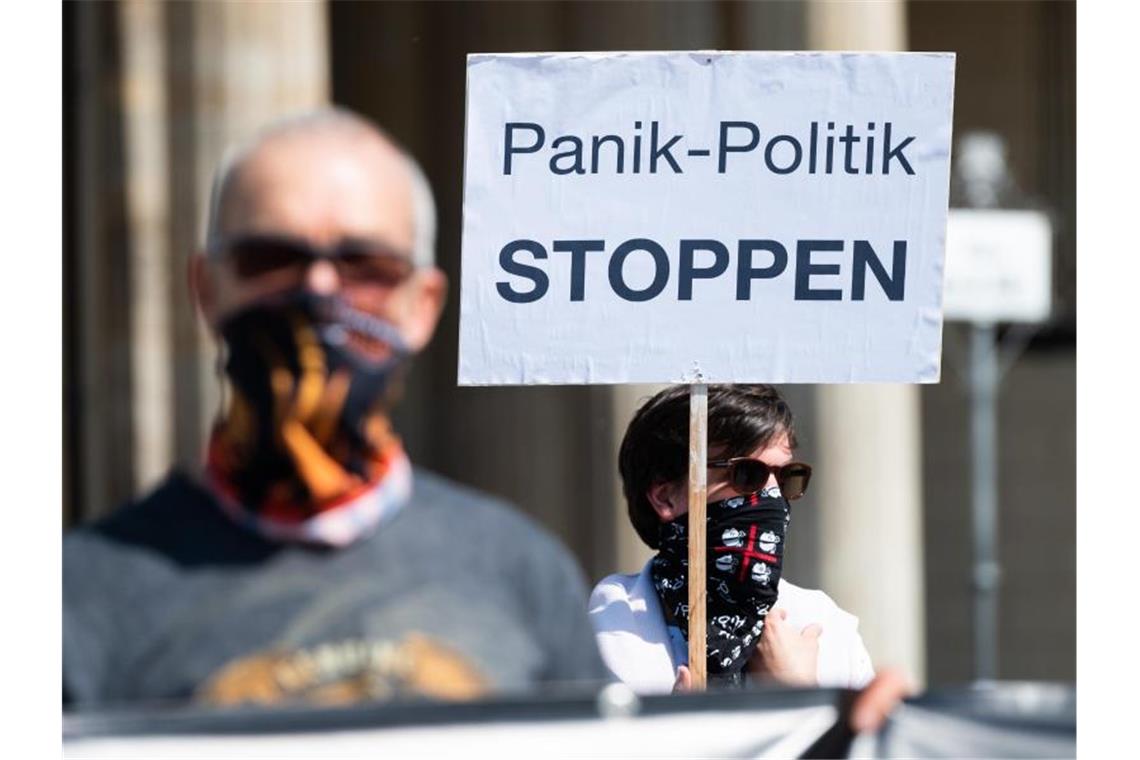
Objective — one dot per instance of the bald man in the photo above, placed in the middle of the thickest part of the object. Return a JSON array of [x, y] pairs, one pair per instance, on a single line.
[[307, 560]]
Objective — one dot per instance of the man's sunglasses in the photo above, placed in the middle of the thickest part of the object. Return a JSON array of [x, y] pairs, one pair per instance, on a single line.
[[747, 476], [357, 260]]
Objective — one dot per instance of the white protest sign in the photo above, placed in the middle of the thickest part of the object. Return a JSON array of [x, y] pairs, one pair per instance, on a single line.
[[998, 266], [711, 217]]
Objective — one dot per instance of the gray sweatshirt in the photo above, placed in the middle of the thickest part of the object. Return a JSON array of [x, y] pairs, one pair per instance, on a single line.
[[457, 594]]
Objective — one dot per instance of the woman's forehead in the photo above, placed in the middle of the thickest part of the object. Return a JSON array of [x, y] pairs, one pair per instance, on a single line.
[[778, 449]]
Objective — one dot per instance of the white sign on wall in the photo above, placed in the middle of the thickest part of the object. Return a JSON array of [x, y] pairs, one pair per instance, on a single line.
[[675, 217], [998, 266]]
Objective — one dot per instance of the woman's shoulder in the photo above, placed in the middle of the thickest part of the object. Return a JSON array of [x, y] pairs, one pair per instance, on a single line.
[[813, 606], [631, 632], [843, 658], [613, 589]]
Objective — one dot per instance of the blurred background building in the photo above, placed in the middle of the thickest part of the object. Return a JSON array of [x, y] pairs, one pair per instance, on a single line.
[[153, 92]]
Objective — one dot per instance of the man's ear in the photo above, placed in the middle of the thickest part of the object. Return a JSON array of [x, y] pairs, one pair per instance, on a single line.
[[203, 289], [669, 500], [429, 294]]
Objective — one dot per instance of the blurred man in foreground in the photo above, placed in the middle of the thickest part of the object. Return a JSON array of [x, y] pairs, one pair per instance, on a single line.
[[308, 560], [759, 625]]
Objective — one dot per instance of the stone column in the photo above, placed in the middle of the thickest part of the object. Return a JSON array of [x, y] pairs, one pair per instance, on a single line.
[[145, 129], [98, 336], [158, 90], [230, 68], [869, 483]]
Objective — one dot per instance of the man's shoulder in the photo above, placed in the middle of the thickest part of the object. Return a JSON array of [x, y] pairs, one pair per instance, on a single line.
[[115, 564], [499, 543], [463, 505], [488, 522], [178, 522], [138, 518], [436, 488]]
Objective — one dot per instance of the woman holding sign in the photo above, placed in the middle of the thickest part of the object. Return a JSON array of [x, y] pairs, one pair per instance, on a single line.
[[759, 625]]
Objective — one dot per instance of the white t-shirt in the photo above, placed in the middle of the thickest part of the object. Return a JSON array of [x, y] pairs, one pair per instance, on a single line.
[[638, 649]]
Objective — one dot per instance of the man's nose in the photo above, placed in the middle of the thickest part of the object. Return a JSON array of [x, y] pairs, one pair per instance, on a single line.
[[322, 278]]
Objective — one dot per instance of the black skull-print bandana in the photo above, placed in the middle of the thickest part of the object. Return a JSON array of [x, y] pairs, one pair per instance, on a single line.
[[745, 554]]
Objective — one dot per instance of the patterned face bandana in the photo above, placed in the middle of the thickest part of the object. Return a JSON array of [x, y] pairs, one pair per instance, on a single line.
[[306, 430], [745, 555]]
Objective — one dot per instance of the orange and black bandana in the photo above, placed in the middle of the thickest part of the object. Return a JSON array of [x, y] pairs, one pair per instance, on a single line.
[[306, 434]]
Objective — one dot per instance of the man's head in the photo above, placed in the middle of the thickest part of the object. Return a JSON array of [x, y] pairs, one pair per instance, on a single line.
[[317, 276], [743, 421], [333, 182]]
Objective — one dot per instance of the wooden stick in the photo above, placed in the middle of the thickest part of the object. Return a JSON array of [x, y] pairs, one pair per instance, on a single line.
[[698, 490]]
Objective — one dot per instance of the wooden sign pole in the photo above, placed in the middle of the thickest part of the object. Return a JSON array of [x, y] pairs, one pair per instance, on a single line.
[[698, 489]]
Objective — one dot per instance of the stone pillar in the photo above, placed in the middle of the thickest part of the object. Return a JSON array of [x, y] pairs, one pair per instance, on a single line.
[[856, 24], [98, 336], [147, 199], [869, 482], [156, 93], [230, 68]]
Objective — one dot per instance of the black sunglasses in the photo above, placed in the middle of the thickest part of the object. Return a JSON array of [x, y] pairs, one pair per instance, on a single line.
[[357, 260], [747, 475]]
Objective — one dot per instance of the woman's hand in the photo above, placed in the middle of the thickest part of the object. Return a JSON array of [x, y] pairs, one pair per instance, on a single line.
[[786, 655], [684, 680], [783, 654], [879, 699]]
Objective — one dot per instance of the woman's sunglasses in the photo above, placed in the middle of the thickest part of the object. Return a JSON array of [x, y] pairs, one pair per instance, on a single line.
[[747, 476], [357, 261]]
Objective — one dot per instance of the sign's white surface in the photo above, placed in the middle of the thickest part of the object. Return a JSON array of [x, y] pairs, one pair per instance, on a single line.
[[714, 217]]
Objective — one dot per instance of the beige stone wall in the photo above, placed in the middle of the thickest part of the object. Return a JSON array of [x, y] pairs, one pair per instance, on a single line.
[[160, 90]]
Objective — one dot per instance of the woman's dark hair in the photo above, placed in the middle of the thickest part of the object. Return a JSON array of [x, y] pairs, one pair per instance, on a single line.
[[655, 448]]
